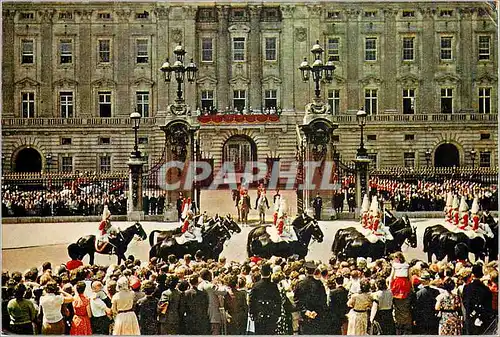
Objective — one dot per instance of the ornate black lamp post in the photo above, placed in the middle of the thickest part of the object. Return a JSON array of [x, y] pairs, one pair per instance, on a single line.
[[178, 69], [136, 120], [48, 160], [361, 118], [318, 69], [473, 157], [428, 156]]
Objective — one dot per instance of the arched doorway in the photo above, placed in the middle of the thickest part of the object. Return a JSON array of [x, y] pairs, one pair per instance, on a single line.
[[446, 155], [28, 160], [239, 150]]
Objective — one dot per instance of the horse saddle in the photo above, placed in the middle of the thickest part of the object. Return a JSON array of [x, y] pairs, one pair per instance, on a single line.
[[188, 236], [286, 236], [100, 246]]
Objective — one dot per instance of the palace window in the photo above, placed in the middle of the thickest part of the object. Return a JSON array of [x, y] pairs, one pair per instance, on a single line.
[[409, 137], [67, 164], [371, 101], [27, 16], [207, 100], [485, 136], [66, 51], [142, 99], [446, 100], [370, 49], [143, 15], [66, 16], [27, 51], [239, 99], [271, 49], [104, 51], [408, 14], [484, 159], [143, 140], [446, 13], [66, 104], [446, 44], [104, 140], [408, 101], [104, 164], [28, 104], [408, 48], [333, 14], [370, 14], [65, 141], [238, 49], [104, 103], [409, 159], [104, 16], [142, 51], [371, 137], [334, 101], [207, 49], [484, 48], [270, 99], [333, 48], [484, 100]]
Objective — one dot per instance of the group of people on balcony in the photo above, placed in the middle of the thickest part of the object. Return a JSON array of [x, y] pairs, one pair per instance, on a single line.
[[207, 111]]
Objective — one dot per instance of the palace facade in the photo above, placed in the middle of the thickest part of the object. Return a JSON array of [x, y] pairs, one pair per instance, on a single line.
[[72, 73]]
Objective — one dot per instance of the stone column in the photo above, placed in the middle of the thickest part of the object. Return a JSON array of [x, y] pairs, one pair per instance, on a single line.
[[255, 48], [352, 45], [428, 62], [163, 52], [361, 181], [223, 59], [465, 59], [85, 68], [288, 63], [8, 65], [390, 61], [46, 109], [134, 202]]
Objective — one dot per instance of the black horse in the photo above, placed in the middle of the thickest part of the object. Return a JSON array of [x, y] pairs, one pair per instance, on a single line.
[[349, 242], [213, 239], [491, 243], [86, 245], [162, 235], [449, 240], [305, 227], [432, 244]]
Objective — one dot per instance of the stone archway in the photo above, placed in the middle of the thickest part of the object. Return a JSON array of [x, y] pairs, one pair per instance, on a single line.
[[28, 160], [239, 149], [446, 155]]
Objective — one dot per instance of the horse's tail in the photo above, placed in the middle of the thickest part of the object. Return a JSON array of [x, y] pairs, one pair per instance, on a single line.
[[152, 237]]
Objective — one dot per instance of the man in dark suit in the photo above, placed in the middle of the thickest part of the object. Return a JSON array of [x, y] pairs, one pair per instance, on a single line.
[[424, 308], [153, 201], [194, 309], [145, 204], [180, 201], [161, 203], [337, 306], [265, 303], [310, 300], [317, 205], [477, 300]]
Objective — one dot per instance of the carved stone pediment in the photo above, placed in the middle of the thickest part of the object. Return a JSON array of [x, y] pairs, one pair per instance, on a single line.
[[239, 28], [104, 82], [239, 80], [409, 79], [27, 83], [207, 80], [271, 80], [486, 78], [447, 78], [143, 81], [65, 82], [370, 79]]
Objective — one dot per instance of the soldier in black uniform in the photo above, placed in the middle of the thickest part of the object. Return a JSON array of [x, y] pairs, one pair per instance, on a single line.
[[317, 205], [310, 300], [265, 303]]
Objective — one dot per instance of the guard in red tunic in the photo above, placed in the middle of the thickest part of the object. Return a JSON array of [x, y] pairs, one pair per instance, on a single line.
[[455, 213], [186, 206], [365, 208], [464, 214], [475, 215], [108, 231], [186, 225], [374, 215]]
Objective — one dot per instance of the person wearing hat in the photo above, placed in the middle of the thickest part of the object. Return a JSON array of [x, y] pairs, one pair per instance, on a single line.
[[365, 212], [424, 309], [374, 215], [282, 217], [186, 207], [474, 214], [477, 300], [317, 206], [449, 207], [188, 225], [276, 207], [310, 301], [108, 231], [454, 212], [265, 303], [464, 214]]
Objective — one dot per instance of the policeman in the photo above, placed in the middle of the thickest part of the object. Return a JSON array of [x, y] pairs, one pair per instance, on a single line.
[[317, 205], [265, 303]]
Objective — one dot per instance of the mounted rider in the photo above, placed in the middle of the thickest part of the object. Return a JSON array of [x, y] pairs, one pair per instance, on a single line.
[[276, 208], [186, 207], [448, 209], [475, 214], [283, 222], [260, 190], [189, 230], [262, 196], [108, 231], [464, 214], [365, 208], [455, 215], [376, 230]]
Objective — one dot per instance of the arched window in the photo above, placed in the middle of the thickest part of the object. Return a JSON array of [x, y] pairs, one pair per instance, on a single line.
[[239, 150]]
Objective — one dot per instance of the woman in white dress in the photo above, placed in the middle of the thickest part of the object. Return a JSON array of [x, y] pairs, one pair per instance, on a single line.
[[123, 309]]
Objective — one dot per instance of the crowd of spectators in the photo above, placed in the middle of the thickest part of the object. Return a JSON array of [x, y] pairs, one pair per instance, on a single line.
[[431, 196], [276, 296], [61, 203]]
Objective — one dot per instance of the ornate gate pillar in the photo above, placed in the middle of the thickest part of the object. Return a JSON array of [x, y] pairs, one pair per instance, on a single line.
[[317, 129], [134, 203]]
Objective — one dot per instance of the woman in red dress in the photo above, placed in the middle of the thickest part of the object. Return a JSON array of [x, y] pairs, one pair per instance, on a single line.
[[81, 320]]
